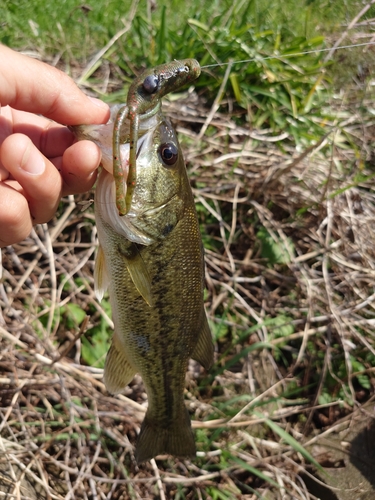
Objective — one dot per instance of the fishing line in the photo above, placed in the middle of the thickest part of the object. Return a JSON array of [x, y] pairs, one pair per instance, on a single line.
[[286, 56]]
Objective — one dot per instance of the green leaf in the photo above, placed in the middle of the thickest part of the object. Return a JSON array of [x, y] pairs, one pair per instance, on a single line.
[[74, 312], [280, 326], [232, 361], [95, 351], [194, 22], [256, 472], [290, 440], [235, 86], [275, 251]]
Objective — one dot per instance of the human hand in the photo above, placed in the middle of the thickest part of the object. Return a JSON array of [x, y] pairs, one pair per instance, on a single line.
[[39, 161]]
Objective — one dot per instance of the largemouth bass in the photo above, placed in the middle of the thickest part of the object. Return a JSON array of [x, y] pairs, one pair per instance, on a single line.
[[151, 259]]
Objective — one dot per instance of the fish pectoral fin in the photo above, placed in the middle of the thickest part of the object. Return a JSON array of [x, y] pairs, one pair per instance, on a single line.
[[140, 276], [118, 372], [204, 349], [101, 278]]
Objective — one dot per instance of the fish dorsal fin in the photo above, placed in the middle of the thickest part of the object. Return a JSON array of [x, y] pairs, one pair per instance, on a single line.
[[139, 274], [101, 278], [118, 372], [204, 349]]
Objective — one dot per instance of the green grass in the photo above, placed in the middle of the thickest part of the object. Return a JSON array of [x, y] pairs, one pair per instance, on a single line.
[[284, 93], [73, 28]]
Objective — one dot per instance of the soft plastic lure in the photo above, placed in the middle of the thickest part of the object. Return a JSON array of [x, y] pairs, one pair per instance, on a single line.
[[143, 101]]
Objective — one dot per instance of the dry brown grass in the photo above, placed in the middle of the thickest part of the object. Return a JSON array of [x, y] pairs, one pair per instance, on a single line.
[[62, 433]]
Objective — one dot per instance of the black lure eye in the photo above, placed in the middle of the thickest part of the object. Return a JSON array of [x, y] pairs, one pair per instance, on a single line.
[[168, 153], [151, 84]]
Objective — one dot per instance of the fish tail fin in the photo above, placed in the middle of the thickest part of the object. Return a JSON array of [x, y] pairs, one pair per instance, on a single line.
[[177, 439]]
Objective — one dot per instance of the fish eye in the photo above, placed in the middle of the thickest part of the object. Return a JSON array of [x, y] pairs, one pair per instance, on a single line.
[[168, 153], [151, 84]]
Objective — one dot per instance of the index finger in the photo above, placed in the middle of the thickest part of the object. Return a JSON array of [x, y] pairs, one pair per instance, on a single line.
[[51, 138], [31, 85]]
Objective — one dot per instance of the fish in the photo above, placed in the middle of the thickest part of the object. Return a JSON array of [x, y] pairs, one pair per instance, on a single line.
[[152, 261]]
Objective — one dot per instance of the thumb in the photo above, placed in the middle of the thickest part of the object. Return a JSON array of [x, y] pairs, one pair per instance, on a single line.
[[40, 181]]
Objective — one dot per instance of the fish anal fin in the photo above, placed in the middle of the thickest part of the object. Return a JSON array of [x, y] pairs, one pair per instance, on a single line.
[[139, 274], [118, 372], [101, 278], [204, 349], [177, 439]]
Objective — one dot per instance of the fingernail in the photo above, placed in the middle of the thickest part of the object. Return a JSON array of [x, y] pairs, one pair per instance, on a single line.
[[33, 161], [98, 103]]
